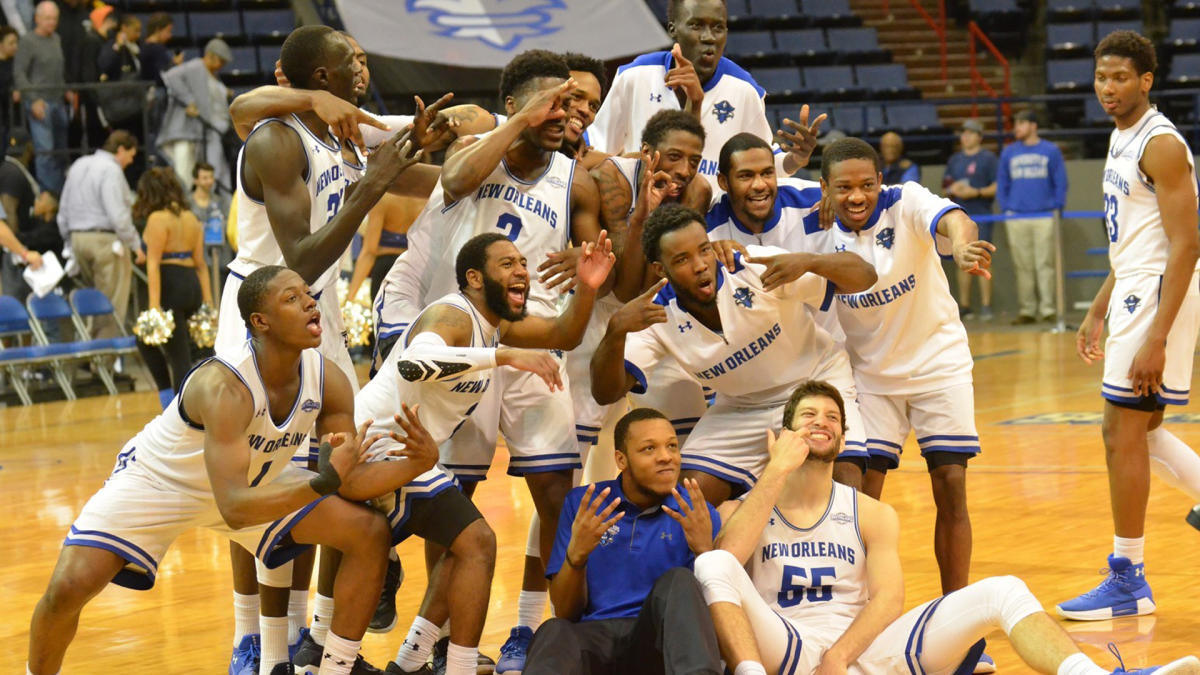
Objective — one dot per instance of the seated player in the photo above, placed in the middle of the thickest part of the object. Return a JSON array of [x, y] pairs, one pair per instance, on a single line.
[[218, 458], [806, 577], [620, 571], [749, 338]]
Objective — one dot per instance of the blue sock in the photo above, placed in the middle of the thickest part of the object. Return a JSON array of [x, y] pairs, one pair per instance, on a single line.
[[165, 396]]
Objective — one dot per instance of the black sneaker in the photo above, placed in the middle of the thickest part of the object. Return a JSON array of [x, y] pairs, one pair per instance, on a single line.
[[282, 669], [361, 667], [484, 665], [385, 612], [395, 669], [1193, 517], [308, 654]]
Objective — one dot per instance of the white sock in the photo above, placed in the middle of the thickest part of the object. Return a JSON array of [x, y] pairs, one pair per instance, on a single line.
[[1132, 548], [274, 642], [414, 652], [339, 656], [751, 668], [1077, 664], [1175, 462], [322, 615], [461, 660], [392, 555], [531, 605], [245, 616], [297, 614]]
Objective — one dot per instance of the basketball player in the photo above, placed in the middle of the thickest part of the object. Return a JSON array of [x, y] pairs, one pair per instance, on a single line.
[[821, 589], [749, 338], [1152, 305], [694, 76], [218, 458]]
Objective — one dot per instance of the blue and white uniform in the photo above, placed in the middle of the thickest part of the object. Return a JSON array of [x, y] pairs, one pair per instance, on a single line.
[[160, 488], [912, 363], [538, 424], [769, 343], [733, 104], [1138, 254]]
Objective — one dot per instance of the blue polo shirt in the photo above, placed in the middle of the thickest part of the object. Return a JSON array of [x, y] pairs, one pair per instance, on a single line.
[[637, 550]]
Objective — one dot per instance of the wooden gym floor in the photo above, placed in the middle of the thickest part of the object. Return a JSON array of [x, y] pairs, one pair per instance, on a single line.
[[1038, 496]]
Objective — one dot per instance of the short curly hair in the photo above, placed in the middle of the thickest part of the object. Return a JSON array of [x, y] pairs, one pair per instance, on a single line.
[[1131, 45], [587, 64], [847, 148], [665, 220], [528, 66], [663, 122]]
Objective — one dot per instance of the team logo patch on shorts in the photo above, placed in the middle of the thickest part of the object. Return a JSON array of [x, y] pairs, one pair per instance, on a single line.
[[886, 237], [1131, 303], [744, 297], [724, 111]]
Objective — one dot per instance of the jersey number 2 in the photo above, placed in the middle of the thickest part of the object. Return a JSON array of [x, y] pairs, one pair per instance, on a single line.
[[335, 203], [1110, 216], [511, 226], [792, 593]]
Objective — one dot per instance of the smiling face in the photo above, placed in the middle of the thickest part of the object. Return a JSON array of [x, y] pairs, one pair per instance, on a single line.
[[751, 185], [649, 459], [583, 102], [505, 281], [1121, 91], [854, 186], [679, 154], [700, 27], [688, 261], [288, 313], [819, 420]]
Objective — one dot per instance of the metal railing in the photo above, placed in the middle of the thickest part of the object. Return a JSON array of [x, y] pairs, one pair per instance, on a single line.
[[976, 35]]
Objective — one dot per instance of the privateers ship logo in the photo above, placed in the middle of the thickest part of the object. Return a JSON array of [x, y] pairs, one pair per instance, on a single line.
[[1132, 302], [724, 111], [841, 518], [309, 405], [607, 537], [557, 182], [744, 297], [886, 237], [501, 24]]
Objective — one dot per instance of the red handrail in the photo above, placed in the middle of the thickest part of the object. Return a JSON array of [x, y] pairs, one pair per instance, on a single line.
[[938, 27], [974, 32]]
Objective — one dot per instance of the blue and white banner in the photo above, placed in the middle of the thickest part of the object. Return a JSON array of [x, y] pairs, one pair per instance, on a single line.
[[488, 33]]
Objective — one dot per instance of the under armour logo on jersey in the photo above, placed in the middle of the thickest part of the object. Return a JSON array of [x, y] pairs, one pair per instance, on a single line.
[[1132, 302], [724, 111], [309, 405], [609, 535], [261, 412], [656, 98], [843, 518], [685, 326], [886, 237], [840, 248], [744, 297], [666, 536], [502, 24], [771, 521]]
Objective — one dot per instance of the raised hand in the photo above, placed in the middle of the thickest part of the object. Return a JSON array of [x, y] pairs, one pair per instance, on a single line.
[[802, 140], [595, 262], [546, 104], [348, 451], [682, 76], [419, 446], [391, 158], [695, 519], [560, 267], [782, 269], [725, 248], [343, 117], [589, 526], [825, 213], [430, 123], [653, 190], [975, 258], [787, 451], [640, 313], [538, 362], [1087, 339]]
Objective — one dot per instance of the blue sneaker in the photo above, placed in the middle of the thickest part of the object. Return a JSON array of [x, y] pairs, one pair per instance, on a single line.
[[512, 654], [986, 665], [1188, 665], [295, 646], [1124, 592], [246, 656]]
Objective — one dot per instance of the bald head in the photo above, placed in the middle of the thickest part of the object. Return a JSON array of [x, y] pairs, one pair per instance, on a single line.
[[45, 18], [891, 147]]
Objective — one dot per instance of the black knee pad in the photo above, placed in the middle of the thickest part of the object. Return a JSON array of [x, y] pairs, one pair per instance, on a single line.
[[938, 458], [880, 464]]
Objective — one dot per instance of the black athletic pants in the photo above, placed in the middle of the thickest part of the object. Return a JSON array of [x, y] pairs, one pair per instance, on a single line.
[[180, 293], [672, 635]]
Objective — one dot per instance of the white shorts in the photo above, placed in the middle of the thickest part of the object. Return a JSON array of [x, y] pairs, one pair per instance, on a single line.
[[730, 442], [1131, 311], [944, 421], [590, 416], [538, 427], [676, 394], [137, 516]]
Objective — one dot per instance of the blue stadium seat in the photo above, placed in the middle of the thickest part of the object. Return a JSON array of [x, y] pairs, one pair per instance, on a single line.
[[1093, 113], [829, 80], [1127, 8], [857, 120], [993, 8], [776, 113], [267, 56], [245, 61], [882, 78], [269, 23], [1069, 74], [773, 9], [805, 42], [1069, 10], [828, 11], [1184, 33], [750, 43], [736, 9], [852, 41], [913, 117], [207, 25], [1070, 36], [779, 80], [1105, 27], [1185, 70]]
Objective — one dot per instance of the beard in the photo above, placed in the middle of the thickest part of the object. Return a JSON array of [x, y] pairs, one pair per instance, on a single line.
[[495, 295]]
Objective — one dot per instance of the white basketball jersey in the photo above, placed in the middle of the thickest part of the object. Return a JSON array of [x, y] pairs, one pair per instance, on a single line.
[[534, 215], [817, 576], [1137, 240], [445, 403], [327, 176], [171, 446]]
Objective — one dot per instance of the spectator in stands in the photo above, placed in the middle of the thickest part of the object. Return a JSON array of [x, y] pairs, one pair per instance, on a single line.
[[970, 180], [18, 197], [211, 207], [73, 21], [102, 23], [120, 64], [39, 63], [8, 49], [10, 243], [95, 221], [156, 58], [897, 168], [176, 273], [121, 54], [197, 113], [1031, 182], [623, 592]]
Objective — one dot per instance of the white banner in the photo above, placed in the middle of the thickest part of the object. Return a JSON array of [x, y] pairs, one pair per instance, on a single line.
[[488, 33]]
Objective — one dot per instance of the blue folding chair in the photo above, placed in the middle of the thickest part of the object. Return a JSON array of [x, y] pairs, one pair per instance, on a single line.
[[91, 303], [53, 307], [16, 359]]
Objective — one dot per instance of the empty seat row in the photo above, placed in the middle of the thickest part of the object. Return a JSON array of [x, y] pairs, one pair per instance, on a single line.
[[858, 120], [1074, 10], [830, 81], [253, 24], [1077, 74], [814, 12], [803, 42], [1064, 37]]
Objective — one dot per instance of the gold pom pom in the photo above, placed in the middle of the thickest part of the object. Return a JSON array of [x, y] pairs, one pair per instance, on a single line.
[[203, 327], [358, 321], [154, 326]]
